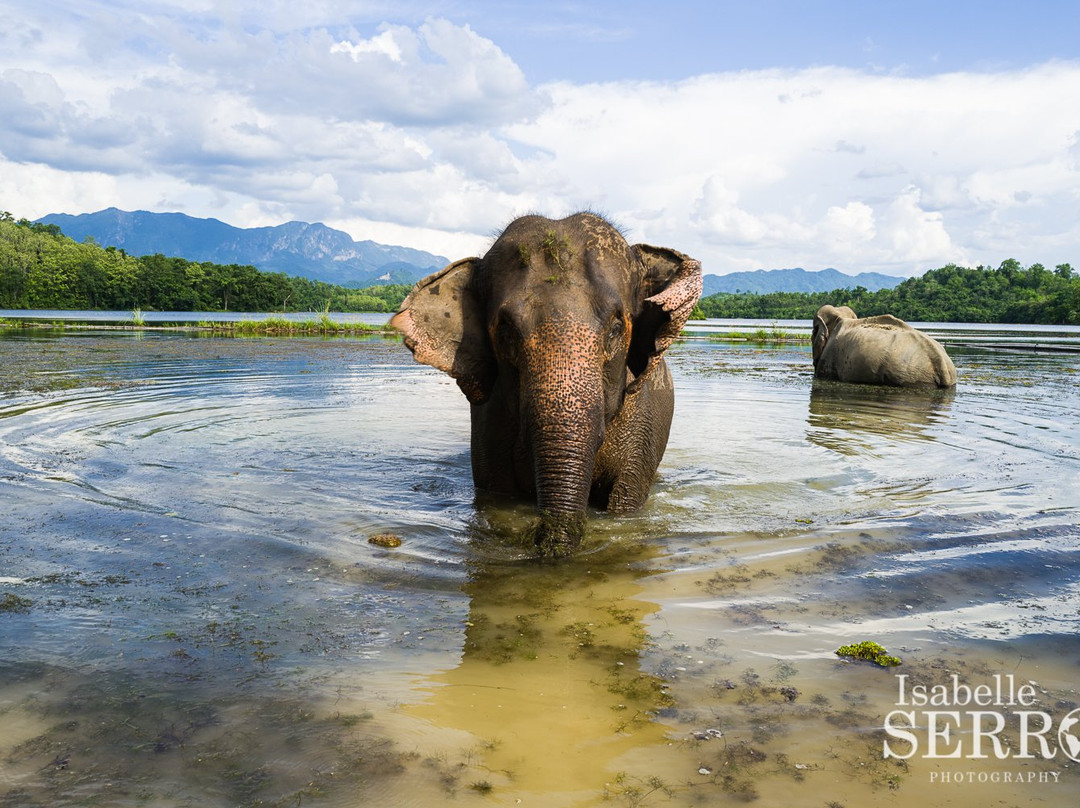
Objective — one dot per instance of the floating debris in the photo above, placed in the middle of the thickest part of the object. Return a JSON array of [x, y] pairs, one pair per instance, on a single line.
[[707, 734], [388, 540]]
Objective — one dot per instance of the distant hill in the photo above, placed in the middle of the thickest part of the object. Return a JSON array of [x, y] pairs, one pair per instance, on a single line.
[[763, 281], [296, 248], [321, 253]]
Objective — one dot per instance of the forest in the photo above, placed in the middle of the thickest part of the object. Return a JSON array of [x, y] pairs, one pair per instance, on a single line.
[[1009, 293], [41, 268]]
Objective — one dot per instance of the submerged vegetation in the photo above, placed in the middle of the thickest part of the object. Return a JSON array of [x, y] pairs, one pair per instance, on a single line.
[[41, 268], [14, 603]]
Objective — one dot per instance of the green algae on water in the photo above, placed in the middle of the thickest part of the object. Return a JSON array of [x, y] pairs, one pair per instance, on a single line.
[[869, 651]]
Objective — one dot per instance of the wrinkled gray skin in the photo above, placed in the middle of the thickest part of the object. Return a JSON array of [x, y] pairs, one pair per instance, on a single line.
[[557, 336], [877, 350]]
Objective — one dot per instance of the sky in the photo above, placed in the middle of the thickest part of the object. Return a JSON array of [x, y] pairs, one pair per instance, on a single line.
[[893, 137]]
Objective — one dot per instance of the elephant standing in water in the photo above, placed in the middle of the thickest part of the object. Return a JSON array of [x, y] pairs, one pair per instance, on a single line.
[[556, 337], [877, 350]]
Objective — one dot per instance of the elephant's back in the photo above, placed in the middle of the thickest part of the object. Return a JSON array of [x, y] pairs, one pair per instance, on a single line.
[[918, 359], [884, 350]]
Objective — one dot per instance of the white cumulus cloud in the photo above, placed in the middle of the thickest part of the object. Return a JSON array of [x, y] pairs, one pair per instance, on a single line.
[[384, 44]]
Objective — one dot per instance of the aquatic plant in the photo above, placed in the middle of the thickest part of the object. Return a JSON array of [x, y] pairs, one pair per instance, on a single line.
[[869, 651], [634, 791], [762, 336], [13, 603], [137, 317], [278, 326]]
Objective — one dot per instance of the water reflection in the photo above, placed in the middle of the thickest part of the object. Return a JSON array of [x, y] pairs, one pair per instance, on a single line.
[[843, 415], [549, 684]]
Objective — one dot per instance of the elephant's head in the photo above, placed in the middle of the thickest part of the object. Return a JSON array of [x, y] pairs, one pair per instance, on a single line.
[[826, 321], [547, 335]]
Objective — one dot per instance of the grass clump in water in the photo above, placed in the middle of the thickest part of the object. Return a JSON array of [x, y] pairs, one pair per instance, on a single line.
[[276, 326], [773, 335], [869, 651]]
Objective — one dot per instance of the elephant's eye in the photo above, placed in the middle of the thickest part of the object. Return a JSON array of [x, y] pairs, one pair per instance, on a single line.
[[613, 340], [507, 340]]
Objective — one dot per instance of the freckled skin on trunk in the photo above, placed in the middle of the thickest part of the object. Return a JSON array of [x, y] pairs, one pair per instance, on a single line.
[[562, 423]]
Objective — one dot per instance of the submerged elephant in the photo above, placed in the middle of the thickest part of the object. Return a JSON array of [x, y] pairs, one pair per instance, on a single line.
[[877, 350], [556, 337]]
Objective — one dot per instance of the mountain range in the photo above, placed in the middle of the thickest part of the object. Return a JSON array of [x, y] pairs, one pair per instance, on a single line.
[[763, 281], [295, 248], [323, 253]]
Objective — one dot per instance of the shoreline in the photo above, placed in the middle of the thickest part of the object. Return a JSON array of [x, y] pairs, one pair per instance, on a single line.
[[325, 326]]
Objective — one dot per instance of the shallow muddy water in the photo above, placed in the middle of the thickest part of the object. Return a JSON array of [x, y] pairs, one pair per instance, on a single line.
[[192, 614]]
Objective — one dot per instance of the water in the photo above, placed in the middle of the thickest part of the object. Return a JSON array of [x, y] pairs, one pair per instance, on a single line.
[[1052, 338], [192, 612]]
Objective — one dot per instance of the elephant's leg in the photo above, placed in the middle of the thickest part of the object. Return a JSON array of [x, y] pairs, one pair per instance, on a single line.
[[634, 445], [501, 462]]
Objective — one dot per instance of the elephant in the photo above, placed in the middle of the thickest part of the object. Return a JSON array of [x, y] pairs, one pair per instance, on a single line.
[[556, 336], [877, 350]]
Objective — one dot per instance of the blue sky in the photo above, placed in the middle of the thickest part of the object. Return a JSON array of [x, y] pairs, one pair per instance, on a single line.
[[606, 41], [887, 136]]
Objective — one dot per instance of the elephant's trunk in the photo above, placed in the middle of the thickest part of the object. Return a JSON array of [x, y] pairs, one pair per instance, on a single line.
[[564, 470], [564, 427]]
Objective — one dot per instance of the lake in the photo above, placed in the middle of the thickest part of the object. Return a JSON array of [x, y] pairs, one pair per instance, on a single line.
[[193, 611]]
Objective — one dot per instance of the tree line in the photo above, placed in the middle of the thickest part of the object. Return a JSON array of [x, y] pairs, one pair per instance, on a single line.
[[41, 268], [1009, 293]]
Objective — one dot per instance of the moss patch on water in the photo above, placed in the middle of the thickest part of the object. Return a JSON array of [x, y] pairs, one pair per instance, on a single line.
[[869, 651]]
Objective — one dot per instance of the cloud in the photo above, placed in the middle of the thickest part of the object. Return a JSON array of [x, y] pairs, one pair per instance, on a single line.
[[720, 219], [438, 74], [913, 234], [849, 228], [824, 166], [253, 115], [383, 44]]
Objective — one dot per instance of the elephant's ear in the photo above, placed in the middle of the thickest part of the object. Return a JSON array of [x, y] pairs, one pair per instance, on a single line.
[[669, 289], [443, 327], [819, 338]]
